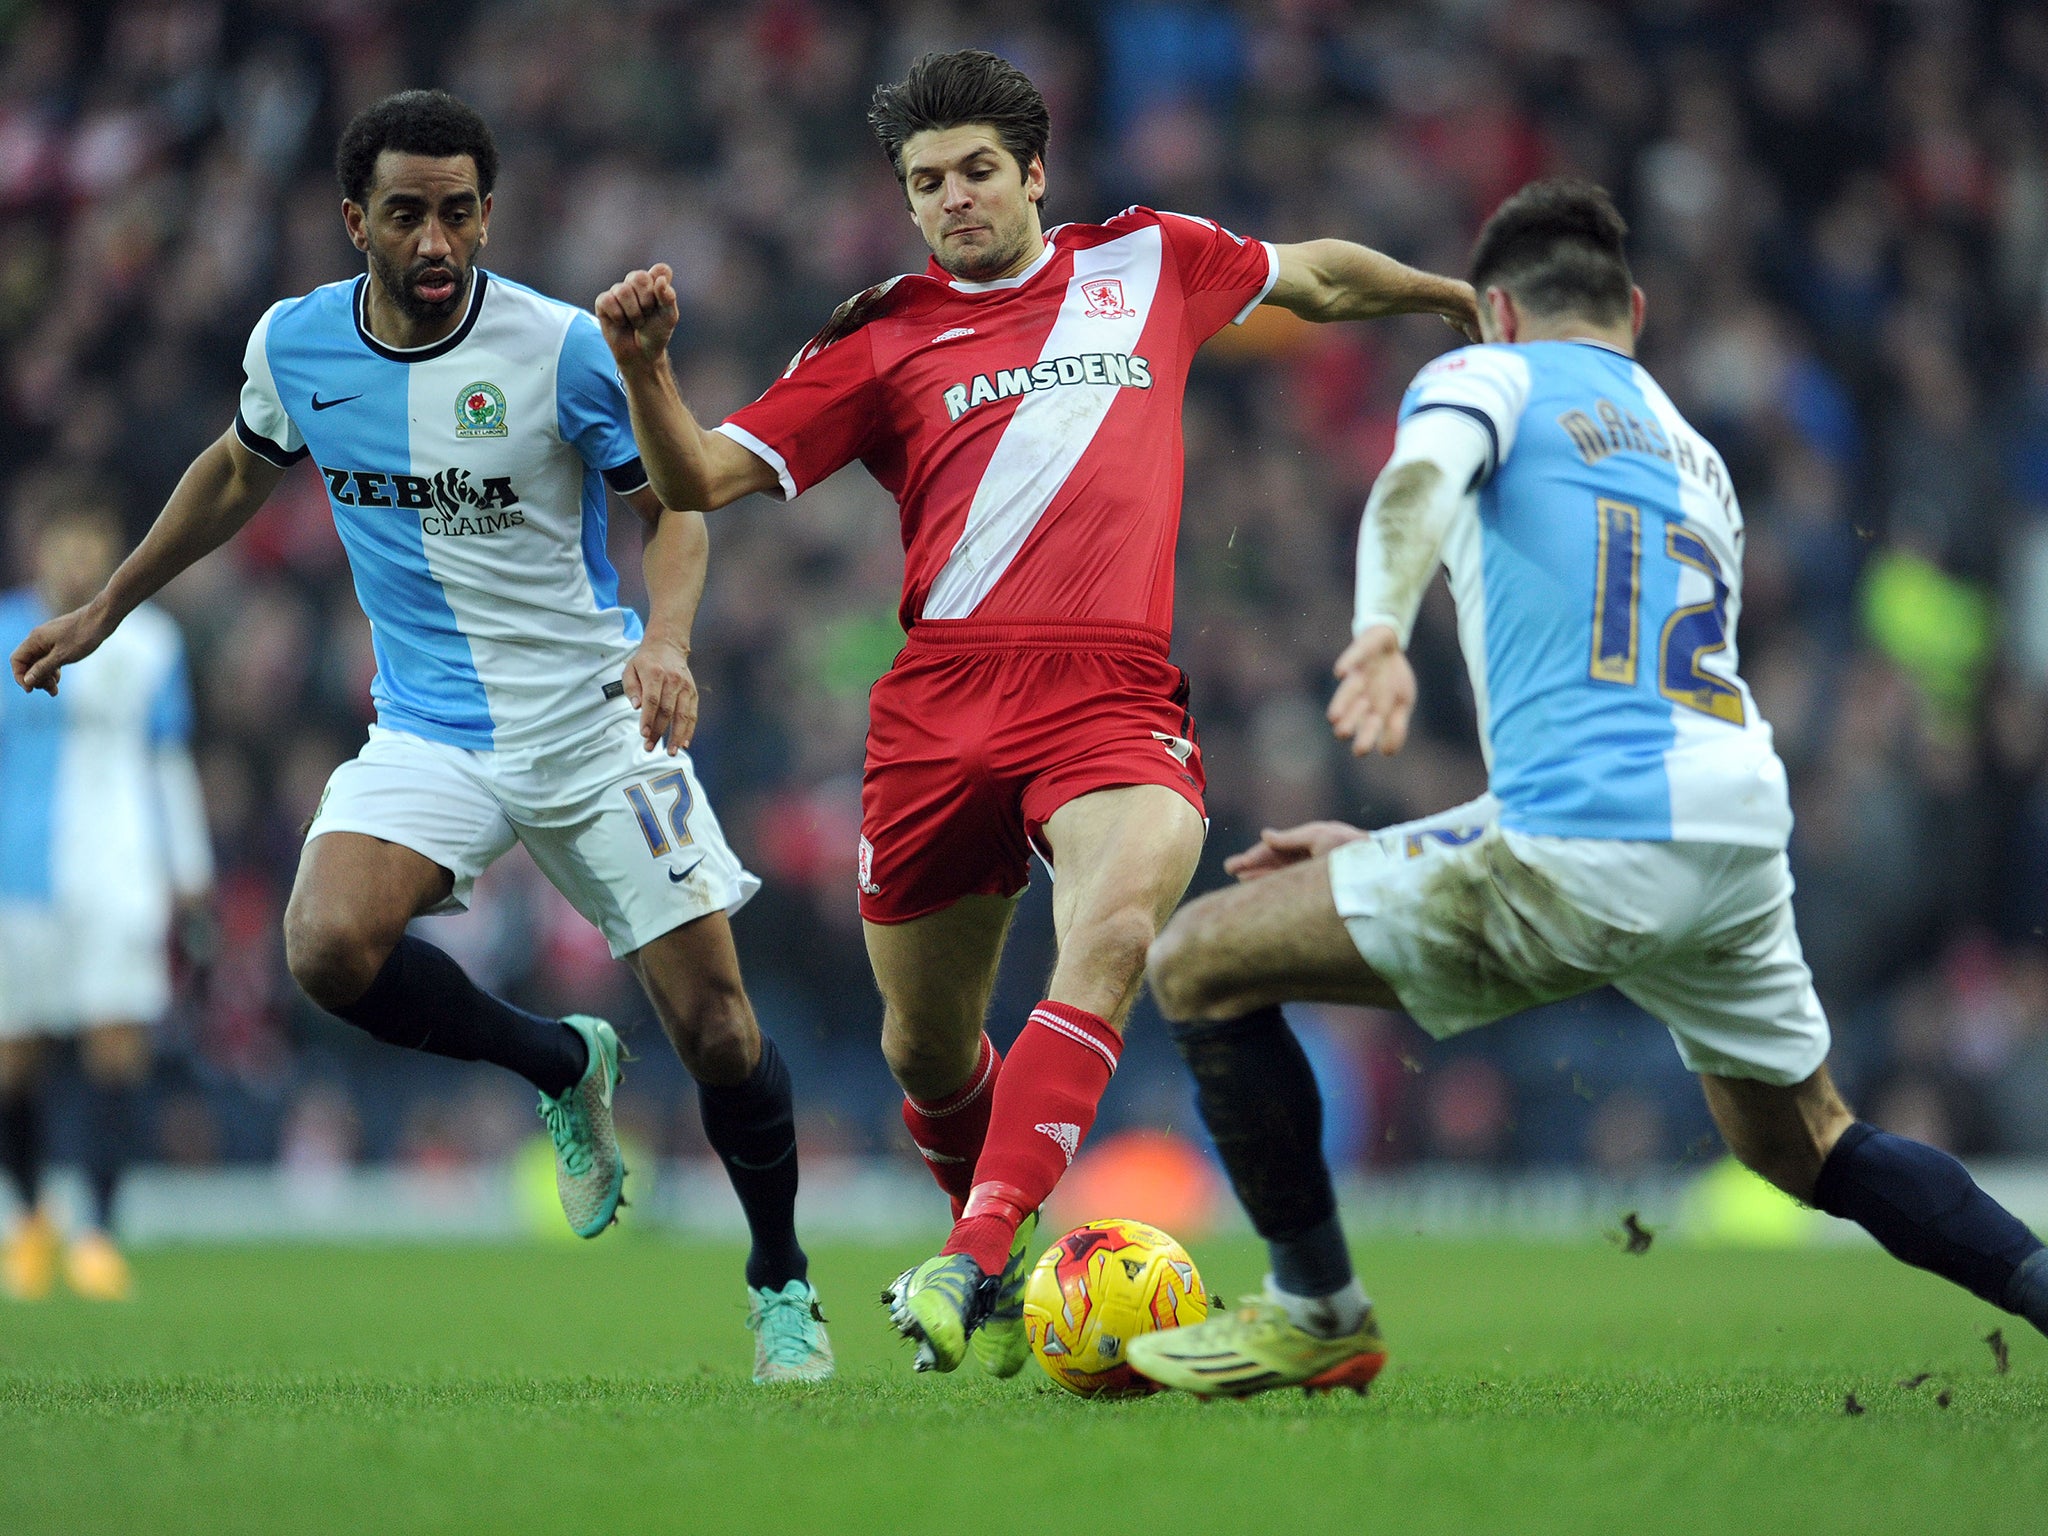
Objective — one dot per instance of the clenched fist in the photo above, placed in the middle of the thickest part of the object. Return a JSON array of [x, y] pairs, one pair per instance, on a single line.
[[638, 314]]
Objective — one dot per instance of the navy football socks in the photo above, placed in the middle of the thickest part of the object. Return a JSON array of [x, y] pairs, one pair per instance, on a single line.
[[1924, 1208], [110, 1118], [751, 1125], [422, 1000], [21, 1142], [1259, 1099]]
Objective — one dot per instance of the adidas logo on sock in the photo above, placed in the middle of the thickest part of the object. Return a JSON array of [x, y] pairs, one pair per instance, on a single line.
[[1066, 1137]]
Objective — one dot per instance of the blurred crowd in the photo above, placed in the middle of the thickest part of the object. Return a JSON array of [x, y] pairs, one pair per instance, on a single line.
[[1840, 217]]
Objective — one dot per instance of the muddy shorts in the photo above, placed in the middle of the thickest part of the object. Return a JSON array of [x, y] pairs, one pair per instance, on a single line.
[[1469, 922]]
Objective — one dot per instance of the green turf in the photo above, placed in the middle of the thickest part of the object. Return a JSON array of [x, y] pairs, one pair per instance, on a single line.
[[603, 1387]]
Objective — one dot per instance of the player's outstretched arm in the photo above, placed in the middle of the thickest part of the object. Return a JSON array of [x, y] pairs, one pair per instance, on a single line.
[[690, 468], [218, 494], [657, 680], [1338, 280]]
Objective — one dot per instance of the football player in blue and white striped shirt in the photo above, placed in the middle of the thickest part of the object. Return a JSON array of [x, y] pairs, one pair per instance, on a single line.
[[103, 839], [467, 428], [1634, 833]]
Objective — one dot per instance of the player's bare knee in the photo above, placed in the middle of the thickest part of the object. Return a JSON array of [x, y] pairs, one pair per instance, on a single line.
[[333, 962], [715, 1033], [1178, 966], [926, 1063]]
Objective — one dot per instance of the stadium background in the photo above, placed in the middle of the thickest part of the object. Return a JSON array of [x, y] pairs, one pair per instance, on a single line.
[[1841, 220]]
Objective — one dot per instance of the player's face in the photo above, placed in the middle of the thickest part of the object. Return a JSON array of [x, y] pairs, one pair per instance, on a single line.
[[73, 561], [422, 226], [975, 208]]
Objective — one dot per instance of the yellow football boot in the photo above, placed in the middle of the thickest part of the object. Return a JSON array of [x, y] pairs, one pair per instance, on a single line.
[[1258, 1348], [94, 1268], [28, 1259]]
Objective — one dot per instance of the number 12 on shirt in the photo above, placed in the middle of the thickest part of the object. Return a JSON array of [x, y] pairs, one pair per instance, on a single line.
[[641, 798], [1692, 632]]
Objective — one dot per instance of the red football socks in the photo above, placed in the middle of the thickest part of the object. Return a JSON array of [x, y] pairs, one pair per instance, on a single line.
[[950, 1131], [1044, 1104]]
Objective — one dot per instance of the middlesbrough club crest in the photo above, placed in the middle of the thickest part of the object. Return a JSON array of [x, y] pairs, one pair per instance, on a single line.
[[1105, 298]]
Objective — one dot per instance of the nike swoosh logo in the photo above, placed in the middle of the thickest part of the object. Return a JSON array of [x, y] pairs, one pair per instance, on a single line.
[[324, 405], [675, 878]]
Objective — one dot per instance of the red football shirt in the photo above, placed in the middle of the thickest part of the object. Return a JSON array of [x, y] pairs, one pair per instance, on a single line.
[[1029, 428]]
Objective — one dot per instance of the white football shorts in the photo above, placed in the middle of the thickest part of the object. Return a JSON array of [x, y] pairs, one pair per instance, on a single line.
[[1469, 922], [624, 833], [63, 969]]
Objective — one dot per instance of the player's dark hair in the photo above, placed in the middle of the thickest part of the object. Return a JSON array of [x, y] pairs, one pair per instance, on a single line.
[[1557, 247], [950, 90], [413, 123]]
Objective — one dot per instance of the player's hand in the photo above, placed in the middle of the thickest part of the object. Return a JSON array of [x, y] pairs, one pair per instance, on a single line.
[[1375, 694], [638, 314], [1277, 850], [659, 685], [53, 645], [1465, 318]]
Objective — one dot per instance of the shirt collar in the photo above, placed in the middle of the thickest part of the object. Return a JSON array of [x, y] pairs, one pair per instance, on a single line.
[[999, 284]]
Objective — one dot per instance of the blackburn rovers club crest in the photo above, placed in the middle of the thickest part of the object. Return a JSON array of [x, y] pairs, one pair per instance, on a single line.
[[1105, 298], [480, 410]]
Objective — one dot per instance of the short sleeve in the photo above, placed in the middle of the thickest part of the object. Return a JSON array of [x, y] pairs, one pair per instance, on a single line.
[[590, 407], [1224, 277], [817, 418], [1489, 384], [262, 424]]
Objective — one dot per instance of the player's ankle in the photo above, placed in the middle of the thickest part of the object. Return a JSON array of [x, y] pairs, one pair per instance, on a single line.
[[1312, 1262], [983, 1239], [2026, 1293], [988, 1225], [1327, 1317]]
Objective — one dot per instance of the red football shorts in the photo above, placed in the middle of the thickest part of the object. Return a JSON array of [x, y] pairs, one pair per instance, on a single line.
[[982, 730]]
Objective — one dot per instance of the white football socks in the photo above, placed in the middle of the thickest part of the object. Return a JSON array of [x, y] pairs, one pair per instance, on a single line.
[[1327, 1317]]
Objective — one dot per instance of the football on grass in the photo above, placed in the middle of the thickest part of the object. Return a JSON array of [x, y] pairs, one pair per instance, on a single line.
[[1098, 1288]]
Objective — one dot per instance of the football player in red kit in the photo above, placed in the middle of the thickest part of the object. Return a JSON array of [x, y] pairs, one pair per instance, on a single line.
[[1021, 399]]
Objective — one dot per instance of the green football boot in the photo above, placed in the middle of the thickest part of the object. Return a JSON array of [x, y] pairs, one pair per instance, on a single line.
[[590, 1176], [938, 1304], [1000, 1343], [789, 1334], [1257, 1348]]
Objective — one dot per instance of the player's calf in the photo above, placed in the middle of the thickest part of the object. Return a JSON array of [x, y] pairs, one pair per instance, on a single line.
[[1919, 1203], [1259, 1100], [692, 976]]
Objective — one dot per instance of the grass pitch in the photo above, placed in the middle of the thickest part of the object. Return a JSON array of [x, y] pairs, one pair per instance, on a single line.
[[1532, 1389]]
